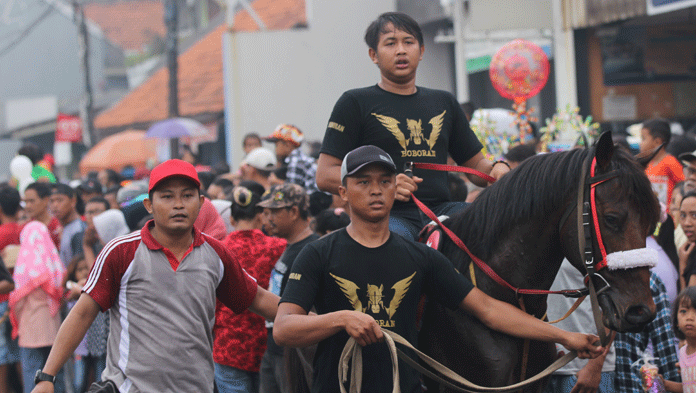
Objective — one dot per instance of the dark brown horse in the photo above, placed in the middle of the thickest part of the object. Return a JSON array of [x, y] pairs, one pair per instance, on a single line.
[[518, 227]]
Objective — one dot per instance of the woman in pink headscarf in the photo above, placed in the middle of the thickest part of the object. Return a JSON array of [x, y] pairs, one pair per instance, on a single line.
[[35, 302]]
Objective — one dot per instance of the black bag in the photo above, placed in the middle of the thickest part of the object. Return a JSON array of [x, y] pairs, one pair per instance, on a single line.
[[103, 387]]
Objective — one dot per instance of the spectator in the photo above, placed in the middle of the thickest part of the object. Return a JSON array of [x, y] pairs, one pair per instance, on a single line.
[[251, 141], [219, 188], [36, 154], [240, 339], [664, 171], [302, 169], [109, 178], [172, 270], [9, 236], [36, 201], [287, 215], [89, 189], [657, 338], [279, 176], [77, 273], [519, 153], [258, 165], [210, 222], [91, 244], [330, 220], [63, 204], [111, 195], [683, 320], [580, 375], [35, 302]]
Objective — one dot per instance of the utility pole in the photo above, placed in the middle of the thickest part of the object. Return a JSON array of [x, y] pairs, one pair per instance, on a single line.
[[171, 16], [87, 100]]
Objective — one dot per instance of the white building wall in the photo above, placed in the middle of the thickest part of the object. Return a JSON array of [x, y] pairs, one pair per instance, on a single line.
[[296, 76]]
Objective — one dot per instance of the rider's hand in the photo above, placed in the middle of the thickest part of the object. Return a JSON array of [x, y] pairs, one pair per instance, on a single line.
[[43, 387], [405, 186], [363, 328], [584, 345], [498, 170]]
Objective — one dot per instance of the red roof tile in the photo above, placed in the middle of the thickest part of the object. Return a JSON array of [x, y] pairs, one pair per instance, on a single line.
[[129, 24], [276, 14], [200, 72], [200, 88]]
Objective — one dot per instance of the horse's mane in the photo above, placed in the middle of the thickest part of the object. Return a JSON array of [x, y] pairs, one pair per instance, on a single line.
[[536, 189]]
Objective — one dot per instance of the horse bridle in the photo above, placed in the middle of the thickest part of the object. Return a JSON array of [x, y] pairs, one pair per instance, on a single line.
[[587, 210]]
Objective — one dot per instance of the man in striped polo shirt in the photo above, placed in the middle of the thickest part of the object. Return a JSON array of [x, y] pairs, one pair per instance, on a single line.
[[160, 285]]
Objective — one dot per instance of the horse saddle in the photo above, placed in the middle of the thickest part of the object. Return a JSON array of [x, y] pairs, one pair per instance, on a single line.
[[432, 234]]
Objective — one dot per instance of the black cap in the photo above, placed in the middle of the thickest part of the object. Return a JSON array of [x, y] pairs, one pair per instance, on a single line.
[[91, 186], [364, 155]]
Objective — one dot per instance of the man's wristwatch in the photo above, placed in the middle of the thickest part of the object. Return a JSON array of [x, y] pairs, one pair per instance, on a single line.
[[42, 376]]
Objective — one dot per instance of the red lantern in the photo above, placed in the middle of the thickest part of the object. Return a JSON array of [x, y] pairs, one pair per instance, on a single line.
[[519, 70]]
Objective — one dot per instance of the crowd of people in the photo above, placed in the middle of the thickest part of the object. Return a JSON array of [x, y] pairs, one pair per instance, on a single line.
[[190, 278]]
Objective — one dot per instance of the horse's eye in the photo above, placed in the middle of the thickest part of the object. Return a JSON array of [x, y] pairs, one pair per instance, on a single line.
[[612, 222]]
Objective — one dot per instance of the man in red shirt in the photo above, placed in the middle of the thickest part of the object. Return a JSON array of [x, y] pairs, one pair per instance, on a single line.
[[36, 198]]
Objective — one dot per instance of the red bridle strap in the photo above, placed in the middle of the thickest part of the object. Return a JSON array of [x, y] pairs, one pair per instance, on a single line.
[[454, 168], [481, 264], [593, 204]]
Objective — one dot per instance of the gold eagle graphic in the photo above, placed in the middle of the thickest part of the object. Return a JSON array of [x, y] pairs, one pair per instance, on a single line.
[[350, 290], [415, 129]]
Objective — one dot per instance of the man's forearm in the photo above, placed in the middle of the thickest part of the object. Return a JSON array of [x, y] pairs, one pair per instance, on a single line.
[[71, 332], [265, 304], [296, 330]]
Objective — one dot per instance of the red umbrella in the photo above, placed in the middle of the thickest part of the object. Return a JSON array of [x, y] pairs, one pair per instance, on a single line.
[[116, 151]]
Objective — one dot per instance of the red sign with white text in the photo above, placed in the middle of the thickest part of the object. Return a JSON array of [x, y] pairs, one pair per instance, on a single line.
[[68, 128]]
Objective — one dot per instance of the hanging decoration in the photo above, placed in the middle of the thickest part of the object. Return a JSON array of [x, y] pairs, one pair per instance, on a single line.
[[567, 129], [518, 71]]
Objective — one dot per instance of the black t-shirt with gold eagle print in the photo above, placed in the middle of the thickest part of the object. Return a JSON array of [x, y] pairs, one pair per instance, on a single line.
[[421, 127], [337, 273]]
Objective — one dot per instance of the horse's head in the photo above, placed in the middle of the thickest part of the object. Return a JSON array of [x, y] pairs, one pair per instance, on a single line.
[[627, 211]]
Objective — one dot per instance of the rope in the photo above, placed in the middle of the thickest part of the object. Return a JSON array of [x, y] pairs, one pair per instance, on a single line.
[[353, 351]]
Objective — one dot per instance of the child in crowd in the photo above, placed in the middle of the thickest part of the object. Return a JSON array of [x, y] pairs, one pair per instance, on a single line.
[[664, 170], [684, 317]]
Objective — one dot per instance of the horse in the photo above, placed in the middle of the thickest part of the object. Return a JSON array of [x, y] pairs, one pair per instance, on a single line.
[[523, 226]]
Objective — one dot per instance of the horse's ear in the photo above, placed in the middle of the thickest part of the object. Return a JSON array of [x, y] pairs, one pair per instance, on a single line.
[[645, 158], [604, 150]]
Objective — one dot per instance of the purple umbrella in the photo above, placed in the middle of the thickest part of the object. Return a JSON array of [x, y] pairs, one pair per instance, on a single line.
[[176, 128]]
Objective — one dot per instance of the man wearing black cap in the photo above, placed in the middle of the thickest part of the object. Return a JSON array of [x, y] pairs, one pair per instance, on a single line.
[[363, 277], [160, 286]]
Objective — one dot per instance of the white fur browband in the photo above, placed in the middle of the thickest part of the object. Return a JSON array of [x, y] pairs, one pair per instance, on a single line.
[[632, 258]]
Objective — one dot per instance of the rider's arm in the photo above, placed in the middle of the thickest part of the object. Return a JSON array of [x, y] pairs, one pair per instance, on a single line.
[[482, 164], [71, 332], [265, 304], [505, 318], [329, 173], [293, 327]]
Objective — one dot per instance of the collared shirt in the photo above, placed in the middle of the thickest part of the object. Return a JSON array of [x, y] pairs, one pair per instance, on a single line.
[[302, 170], [162, 310], [631, 346]]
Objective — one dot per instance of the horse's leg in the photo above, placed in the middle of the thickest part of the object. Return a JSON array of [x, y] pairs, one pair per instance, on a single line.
[[463, 344]]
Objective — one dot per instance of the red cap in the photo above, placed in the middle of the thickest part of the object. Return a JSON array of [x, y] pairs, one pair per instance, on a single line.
[[171, 168]]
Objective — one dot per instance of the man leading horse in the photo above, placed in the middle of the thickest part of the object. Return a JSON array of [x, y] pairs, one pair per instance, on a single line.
[[365, 277]]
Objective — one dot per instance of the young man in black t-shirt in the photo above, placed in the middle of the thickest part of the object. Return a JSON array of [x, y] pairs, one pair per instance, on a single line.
[[363, 277], [409, 122], [287, 214]]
